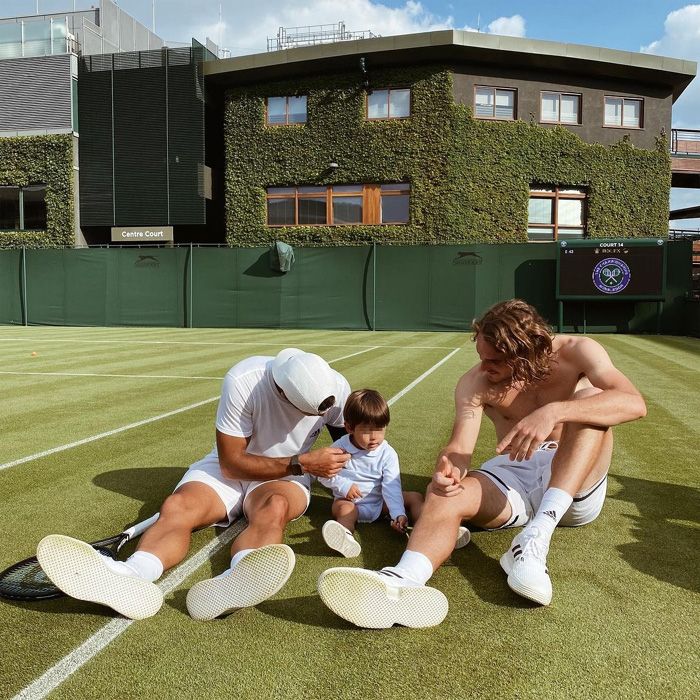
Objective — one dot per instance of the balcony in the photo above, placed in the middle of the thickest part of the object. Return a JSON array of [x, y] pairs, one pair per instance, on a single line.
[[685, 158]]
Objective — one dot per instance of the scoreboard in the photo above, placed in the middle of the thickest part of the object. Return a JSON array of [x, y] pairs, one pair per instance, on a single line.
[[627, 269]]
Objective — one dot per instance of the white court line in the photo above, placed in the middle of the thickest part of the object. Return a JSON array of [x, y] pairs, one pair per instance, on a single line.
[[99, 436], [138, 424], [69, 664], [282, 343]]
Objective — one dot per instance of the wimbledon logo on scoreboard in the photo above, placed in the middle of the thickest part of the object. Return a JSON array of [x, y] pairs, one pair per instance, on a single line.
[[611, 275]]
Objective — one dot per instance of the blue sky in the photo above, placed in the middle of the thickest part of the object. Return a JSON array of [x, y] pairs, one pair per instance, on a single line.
[[663, 27]]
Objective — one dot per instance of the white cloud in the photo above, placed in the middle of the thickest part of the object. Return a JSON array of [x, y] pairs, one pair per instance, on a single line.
[[508, 26], [681, 39], [245, 27]]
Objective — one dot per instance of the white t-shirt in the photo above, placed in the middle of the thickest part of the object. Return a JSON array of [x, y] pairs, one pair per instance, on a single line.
[[375, 472], [251, 406]]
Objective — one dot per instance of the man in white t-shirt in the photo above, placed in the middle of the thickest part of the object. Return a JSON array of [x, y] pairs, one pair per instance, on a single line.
[[270, 413]]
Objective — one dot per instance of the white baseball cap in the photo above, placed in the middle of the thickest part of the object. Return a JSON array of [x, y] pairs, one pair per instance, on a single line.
[[306, 379]]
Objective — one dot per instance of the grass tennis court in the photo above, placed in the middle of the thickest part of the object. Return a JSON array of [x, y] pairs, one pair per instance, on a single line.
[[99, 425]]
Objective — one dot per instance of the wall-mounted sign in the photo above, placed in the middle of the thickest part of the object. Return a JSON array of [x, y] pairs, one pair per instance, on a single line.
[[633, 269], [142, 234]]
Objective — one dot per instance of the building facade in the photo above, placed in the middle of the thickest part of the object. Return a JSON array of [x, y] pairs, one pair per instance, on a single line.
[[39, 122]]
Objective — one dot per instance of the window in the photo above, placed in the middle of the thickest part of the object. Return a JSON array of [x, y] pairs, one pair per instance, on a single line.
[[556, 213], [494, 103], [560, 108], [623, 112], [389, 104], [285, 110], [338, 205], [23, 208]]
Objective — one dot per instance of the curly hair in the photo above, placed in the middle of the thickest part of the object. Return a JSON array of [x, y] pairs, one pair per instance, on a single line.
[[516, 329]]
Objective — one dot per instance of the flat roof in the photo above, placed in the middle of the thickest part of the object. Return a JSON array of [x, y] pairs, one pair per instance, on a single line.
[[453, 45]]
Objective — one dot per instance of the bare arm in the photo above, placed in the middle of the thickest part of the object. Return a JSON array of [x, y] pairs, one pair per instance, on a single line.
[[616, 401], [236, 463], [455, 458]]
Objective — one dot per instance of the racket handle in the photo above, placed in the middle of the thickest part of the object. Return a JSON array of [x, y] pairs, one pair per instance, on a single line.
[[139, 528]]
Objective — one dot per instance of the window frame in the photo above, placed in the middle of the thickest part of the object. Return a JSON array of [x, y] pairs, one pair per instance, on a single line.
[[286, 111], [560, 94], [371, 195], [388, 103], [622, 113], [20, 204], [557, 193], [495, 88]]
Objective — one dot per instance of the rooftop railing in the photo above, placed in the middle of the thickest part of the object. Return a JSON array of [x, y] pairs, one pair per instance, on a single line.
[[685, 142]]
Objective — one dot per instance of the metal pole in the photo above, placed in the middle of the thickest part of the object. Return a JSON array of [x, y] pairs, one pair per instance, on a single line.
[[374, 286], [189, 316], [25, 312], [153, 8]]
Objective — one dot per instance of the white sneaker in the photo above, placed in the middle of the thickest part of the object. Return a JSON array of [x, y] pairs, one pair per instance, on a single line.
[[82, 572], [464, 537], [256, 577], [526, 565], [380, 599], [339, 538]]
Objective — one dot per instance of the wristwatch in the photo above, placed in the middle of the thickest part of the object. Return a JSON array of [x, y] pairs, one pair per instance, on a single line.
[[295, 466]]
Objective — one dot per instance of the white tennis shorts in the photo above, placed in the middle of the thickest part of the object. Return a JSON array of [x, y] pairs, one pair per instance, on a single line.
[[524, 483], [234, 492]]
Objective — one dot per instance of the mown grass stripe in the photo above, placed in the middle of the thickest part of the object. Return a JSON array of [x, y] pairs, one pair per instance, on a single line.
[[107, 433], [97, 374], [130, 341], [138, 424]]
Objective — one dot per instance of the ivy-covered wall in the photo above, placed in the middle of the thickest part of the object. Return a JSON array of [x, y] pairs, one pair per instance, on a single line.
[[469, 178], [27, 160]]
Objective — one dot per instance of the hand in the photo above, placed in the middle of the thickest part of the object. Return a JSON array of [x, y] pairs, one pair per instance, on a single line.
[[353, 493], [326, 462], [447, 479], [528, 434], [400, 524]]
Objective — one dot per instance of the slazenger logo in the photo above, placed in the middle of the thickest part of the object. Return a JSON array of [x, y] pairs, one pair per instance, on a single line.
[[611, 275], [468, 259], [147, 261]]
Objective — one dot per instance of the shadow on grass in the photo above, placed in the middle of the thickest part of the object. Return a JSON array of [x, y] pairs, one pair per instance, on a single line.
[[304, 610], [486, 578], [666, 548], [150, 485], [63, 606]]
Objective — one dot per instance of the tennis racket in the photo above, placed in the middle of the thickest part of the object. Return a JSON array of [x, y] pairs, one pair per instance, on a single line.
[[26, 580]]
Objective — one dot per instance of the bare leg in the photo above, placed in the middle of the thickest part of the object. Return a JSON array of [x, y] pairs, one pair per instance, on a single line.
[[345, 512], [480, 502], [269, 508], [584, 454], [414, 505], [192, 506]]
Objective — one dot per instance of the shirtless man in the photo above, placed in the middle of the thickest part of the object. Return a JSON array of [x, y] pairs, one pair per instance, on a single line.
[[552, 400]]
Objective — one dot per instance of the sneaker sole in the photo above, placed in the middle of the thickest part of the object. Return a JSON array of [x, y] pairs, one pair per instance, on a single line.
[[256, 577], [363, 598], [80, 572], [335, 536], [521, 588], [464, 537]]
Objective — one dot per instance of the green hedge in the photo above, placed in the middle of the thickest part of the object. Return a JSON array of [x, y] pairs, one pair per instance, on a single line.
[[469, 178], [26, 160]]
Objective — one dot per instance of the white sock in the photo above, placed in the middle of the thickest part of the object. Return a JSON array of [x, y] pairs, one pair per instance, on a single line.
[[415, 566], [234, 560], [555, 503], [146, 565]]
